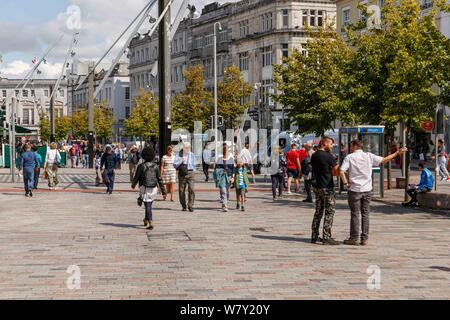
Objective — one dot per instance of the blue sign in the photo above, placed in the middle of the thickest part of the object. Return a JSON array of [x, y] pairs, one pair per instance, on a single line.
[[371, 130]]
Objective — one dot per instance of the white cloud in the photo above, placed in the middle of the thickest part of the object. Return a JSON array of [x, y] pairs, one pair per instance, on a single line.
[[19, 68], [14, 69]]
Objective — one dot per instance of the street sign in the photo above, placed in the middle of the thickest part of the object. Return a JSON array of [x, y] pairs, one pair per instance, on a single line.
[[428, 126], [253, 114]]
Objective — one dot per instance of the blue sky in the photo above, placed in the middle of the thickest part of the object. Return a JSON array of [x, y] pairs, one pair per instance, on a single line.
[[30, 11]]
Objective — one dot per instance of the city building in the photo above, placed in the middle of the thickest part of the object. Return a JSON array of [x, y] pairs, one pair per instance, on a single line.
[[33, 100], [265, 31], [115, 93], [253, 35], [143, 55]]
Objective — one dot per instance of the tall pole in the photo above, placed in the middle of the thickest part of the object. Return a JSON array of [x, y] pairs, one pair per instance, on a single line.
[[91, 115], [52, 117], [13, 139], [436, 148], [217, 24], [164, 66]]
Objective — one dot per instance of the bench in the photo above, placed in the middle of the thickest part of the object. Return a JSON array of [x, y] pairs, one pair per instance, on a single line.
[[434, 200]]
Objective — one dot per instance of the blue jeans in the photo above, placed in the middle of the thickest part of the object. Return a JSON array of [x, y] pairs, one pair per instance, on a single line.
[[108, 178], [37, 172], [85, 161], [148, 211], [28, 179], [225, 194]]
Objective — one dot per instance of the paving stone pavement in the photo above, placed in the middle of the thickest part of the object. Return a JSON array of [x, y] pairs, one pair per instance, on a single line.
[[263, 253]]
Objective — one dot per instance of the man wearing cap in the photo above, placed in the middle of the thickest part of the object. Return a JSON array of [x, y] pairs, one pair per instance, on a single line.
[[185, 164]]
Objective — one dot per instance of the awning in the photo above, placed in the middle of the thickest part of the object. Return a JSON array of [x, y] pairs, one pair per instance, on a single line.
[[19, 129]]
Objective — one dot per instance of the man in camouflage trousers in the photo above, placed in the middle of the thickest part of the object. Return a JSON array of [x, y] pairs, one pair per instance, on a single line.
[[324, 167]]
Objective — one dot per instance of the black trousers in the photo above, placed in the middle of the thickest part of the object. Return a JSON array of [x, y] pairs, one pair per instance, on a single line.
[[308, 189], [277, 183], [413, 192], [206, 171]]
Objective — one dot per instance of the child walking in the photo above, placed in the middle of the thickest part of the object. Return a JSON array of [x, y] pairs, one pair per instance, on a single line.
[[241, 183], [149, 178]]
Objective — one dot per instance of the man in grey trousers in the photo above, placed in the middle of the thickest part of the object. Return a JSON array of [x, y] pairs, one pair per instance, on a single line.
[[186, 166], [358, 165]]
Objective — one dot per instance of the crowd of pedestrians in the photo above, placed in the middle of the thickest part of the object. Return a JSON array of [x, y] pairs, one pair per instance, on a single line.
[[316, 165]]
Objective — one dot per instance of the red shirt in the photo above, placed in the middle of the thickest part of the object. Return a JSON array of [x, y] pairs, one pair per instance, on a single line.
[[302, 153], [291, 158]]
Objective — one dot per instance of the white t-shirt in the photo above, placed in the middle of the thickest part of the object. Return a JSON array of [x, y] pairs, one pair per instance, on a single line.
[[246, 156], [52, 156], [359, 165]]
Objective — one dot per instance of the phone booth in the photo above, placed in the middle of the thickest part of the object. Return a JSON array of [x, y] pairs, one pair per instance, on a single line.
[[373, 139]]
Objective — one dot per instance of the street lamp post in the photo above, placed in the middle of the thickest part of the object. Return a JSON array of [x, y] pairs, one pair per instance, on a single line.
[[217, 24], [164, 66]]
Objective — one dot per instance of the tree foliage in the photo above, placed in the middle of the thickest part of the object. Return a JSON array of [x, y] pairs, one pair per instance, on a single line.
[[144, 118], [194, 104], [231, 92], [313, 86], [383, 75]]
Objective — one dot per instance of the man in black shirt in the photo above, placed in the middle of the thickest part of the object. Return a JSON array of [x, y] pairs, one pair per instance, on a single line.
[[109, 162], [324, 167]]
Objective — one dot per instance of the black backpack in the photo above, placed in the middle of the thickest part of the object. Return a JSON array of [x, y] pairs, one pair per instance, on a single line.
[[150, 176]]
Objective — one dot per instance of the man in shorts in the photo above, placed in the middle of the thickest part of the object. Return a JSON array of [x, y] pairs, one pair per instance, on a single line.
[[293, 167]]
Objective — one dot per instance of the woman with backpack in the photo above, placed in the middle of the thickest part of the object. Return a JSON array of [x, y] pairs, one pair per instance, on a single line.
[[278, 175], [149, 178]]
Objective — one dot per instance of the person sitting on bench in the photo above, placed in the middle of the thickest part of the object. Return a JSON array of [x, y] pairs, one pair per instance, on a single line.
[[425, 185]]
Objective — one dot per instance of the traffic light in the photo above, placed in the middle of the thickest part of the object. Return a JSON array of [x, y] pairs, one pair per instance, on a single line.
[[2, 115], [220, 121]]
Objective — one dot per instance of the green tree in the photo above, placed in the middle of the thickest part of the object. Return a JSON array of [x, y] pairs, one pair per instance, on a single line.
[[44, 127], [144, 118], [398, 68], [63, 125], [194, 104], [313, 86], [231, 92], [103, 122], [80, 125]]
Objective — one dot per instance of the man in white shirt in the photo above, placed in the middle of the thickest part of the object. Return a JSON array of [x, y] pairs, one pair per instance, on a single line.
[[358, 166], [247, 159]]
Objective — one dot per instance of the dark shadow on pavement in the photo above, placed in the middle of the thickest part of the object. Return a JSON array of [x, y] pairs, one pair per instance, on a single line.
[[120, 225], [440, 268], [292, 239]]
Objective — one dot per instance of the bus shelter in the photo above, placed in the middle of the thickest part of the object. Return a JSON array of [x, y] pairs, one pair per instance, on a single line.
[[373, 139]]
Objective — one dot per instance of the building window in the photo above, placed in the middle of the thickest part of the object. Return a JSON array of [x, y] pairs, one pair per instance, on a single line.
[[17, 93], [4, 93], [285, 15], [61, 93], [208, 65], [127, 93], [147, 56], [313, 18], [266, 90], [198, 42], [209, 39], [266, 22], [177, 75], [320, 18], [243, 28], [346, 16], [46, 93], [223, 36], [26, 116], [127, 112], [305, 18], [33, 94], [304, 52], [285, 50], [181, 44], [266, 56], [243, 61], [25, 93]]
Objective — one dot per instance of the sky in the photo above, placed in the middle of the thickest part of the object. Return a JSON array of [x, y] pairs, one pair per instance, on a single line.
[[29, 27]]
